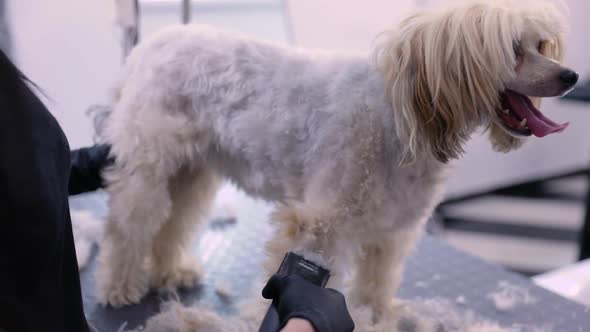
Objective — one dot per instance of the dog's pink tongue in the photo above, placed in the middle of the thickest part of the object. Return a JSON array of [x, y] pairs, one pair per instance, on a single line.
[[539, 124]]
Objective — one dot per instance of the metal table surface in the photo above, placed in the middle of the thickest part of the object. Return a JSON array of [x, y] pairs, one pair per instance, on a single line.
[[231, 253]]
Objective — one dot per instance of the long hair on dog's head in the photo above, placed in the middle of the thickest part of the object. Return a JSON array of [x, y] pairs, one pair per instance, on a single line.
[[445, 70]]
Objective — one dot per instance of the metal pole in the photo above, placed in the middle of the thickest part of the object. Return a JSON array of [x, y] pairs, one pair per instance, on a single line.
[[131, 32], [5, 37], [585, 232], [137, 22], [186, 11], [288, 22]]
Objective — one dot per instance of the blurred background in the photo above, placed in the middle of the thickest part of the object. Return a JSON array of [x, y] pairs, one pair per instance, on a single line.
[[525, 210]]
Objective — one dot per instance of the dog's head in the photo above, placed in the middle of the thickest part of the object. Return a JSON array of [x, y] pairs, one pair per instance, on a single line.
[[478, 63]]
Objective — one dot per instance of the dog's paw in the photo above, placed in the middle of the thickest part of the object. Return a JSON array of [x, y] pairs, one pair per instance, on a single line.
[[118, 293], [379, 316], [185, 275]]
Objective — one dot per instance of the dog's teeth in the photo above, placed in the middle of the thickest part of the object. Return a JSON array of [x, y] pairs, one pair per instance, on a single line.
[[523, 123], [506, 111]]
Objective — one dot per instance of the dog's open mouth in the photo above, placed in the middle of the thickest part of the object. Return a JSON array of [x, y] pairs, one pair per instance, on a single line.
[[520, 117]]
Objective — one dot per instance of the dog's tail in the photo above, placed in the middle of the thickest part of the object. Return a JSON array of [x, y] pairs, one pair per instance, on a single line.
[[175, 317], [100, 113]]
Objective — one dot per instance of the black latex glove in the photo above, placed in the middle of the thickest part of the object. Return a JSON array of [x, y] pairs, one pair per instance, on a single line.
[[86, 167], [295, 297]]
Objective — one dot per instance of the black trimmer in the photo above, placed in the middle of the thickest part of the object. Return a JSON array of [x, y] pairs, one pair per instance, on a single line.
[[294, 264]]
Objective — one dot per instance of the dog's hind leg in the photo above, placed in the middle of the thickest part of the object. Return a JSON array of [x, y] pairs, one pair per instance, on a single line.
[[192, 193], [139, 205], [149, 154]]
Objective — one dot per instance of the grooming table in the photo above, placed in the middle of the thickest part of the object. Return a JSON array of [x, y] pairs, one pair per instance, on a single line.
[[232, 250]]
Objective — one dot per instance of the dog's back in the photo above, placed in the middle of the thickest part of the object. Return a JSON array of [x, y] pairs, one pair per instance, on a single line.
[[258, 104]]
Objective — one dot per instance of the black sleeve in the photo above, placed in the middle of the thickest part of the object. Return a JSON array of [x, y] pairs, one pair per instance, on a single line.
[[86, 167], [39, 277]]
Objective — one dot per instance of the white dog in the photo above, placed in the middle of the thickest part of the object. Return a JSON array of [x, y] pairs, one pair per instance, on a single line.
[[353, 149]]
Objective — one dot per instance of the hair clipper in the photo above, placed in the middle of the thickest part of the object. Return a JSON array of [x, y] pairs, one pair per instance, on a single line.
[[297, 265]]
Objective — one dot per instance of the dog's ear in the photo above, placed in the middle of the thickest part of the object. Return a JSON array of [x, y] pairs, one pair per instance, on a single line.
[[443, 72], [430, 113]]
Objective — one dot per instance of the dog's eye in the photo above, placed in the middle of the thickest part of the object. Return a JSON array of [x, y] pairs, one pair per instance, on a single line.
[[517, 49], [542, 45]]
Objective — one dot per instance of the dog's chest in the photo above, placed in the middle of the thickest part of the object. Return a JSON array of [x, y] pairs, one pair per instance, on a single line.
[[408, 197]]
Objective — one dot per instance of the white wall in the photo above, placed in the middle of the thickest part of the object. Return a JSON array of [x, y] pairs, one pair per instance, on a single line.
[[348, 25], [261, 19], [71, 49]]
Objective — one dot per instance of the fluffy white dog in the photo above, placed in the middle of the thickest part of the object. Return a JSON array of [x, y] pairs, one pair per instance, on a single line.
[[353, 149]]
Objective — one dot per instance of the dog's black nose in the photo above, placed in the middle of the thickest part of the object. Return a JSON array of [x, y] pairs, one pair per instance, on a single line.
[[569, 77]]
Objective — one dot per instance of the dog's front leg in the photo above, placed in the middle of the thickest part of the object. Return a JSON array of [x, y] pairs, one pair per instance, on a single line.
[[379, 269]]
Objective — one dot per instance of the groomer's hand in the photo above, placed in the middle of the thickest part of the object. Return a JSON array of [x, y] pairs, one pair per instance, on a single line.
[[324, 308], [87, 165]]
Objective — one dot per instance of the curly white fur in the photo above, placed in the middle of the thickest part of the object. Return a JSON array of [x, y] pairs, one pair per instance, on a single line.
[[417, 316], [323, 135]]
